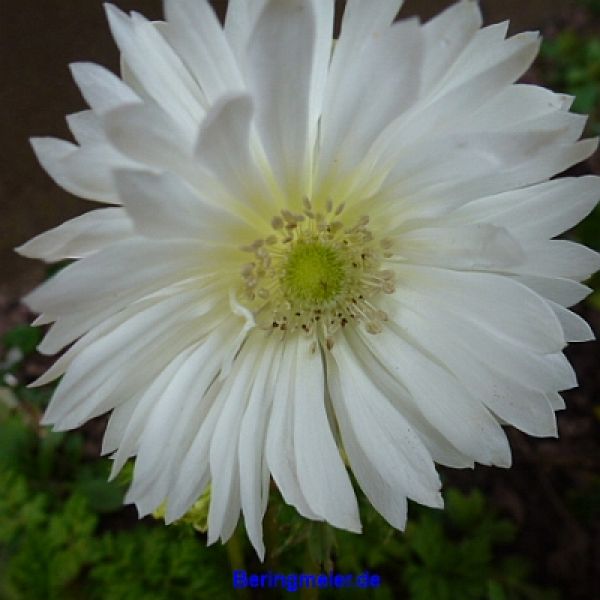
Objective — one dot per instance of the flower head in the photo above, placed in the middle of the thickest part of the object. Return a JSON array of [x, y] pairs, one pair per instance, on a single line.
[[313, 247]]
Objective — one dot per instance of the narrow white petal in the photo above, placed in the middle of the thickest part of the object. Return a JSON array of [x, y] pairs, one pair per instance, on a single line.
[[562, 291], [535, 370], [279, 445], [116, 275], [224, 463], [386, 78], [80, 236], [162, 206], [240, 21], [321, 472], [144, 402], [84, 172], [442, 451], [223, 146], [576, 329], [252, 443], [394, 462], [442, 399], [475, 247], [101, 89], [174, 422], [494, 302], [526, 409], [156, 66], [283, 40], [537, 212], [86, 127], [446, 36], [558, 258], [196, 34]]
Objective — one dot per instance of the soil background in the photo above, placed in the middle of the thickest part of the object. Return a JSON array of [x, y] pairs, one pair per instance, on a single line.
[[38, 39]]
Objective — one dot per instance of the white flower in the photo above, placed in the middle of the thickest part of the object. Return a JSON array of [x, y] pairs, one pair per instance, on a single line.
[[313, 250]]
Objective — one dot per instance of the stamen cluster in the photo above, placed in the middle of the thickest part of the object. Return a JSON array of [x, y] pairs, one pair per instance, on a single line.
[[314, 274]]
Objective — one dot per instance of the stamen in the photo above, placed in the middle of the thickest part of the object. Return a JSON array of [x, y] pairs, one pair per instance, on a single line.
[[316, 274]]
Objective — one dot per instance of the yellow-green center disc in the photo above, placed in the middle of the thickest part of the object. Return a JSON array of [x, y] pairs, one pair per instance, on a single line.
[[314, 273]]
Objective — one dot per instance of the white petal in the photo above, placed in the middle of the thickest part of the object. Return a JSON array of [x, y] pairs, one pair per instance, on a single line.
[[224, 464], [174, 422], [465, 156], [240, 20], [452, 106], [116, 275], [538, 212], [442, 400], [80, 236], [117, 426], [558, 258], [86, 127], [156, 66], [442, 451], [562, 291], [193, 474], [149, 135], [575, 328], [496, 303], [321, 472], [393, 462], [556, 400], [279, 445], [542, 372], [446, 36], [85, 172], [196, 34], [128, 348], [162, 206], [252, 441], [468, 247], [526, 409], [144, 402], [101, 89], [386, 78], [223, 146], [522, 106], [283, 41]]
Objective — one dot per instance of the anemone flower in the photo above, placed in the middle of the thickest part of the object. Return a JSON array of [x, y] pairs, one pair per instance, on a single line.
[[315, 257]]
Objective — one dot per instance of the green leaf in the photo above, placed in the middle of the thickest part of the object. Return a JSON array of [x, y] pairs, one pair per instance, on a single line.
[[101, 495], [24, 337]]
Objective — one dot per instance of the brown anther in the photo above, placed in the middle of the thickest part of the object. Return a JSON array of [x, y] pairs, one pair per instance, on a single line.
[[373, 327], [277, 222], [340, 209], [329, 343], [247, 269]]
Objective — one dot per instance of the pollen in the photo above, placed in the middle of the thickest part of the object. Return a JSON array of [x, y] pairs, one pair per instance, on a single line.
[[316, 273]]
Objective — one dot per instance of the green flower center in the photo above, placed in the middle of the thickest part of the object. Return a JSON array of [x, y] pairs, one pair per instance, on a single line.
[[314, 273]]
